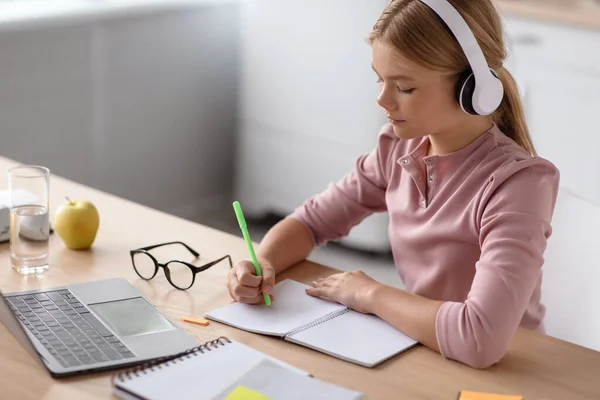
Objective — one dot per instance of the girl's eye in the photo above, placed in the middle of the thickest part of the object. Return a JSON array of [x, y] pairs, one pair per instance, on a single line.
[[407, 91], [403, 91]]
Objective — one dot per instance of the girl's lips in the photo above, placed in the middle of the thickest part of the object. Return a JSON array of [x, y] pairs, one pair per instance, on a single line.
[[395, 121]]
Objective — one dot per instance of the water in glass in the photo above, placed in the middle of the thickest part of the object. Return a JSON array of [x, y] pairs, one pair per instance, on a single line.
[[29, 234]]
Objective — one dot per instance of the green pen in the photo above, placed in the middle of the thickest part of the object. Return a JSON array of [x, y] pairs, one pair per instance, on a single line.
[[242, 222]]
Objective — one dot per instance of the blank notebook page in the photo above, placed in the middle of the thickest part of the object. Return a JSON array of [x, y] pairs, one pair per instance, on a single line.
[[200, 377], [291, 308], [363, 338]]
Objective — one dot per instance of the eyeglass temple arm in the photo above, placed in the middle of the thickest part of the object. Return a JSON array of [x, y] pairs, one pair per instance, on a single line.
[[194, 252], [212, 263]]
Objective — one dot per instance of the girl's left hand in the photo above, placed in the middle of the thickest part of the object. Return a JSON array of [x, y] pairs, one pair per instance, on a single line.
[[352, 289]]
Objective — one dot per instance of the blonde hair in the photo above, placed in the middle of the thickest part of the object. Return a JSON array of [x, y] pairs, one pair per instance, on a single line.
[[420, 35]]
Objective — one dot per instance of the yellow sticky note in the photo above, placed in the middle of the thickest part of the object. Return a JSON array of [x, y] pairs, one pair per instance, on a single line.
[[244, 393]]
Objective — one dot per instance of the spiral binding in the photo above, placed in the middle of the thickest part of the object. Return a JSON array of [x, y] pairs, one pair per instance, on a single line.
[[165, 361], [325, 318]]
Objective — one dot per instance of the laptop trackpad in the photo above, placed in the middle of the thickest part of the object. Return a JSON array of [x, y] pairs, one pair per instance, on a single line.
[[131, 317]]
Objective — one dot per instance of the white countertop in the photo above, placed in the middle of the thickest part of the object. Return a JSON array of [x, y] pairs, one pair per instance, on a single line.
[[27, 14], [581, 13]]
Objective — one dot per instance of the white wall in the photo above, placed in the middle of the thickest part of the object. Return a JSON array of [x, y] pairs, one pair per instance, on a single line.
[[570, 288], [140, 106], [559, 70]]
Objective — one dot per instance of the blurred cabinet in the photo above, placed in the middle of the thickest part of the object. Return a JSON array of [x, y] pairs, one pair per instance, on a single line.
[[307, 107], [142, 105], [559, 70]]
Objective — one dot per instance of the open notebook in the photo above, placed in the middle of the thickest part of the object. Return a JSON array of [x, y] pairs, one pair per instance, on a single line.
[[322, 325], [223, 369]]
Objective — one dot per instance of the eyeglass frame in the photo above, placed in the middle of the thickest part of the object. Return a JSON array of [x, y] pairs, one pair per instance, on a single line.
[[195, 269]]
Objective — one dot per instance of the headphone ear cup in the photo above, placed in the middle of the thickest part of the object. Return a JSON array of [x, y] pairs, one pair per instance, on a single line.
[[465, 88]]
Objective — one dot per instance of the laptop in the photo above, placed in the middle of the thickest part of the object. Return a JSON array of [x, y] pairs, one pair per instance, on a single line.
[[91, 326]]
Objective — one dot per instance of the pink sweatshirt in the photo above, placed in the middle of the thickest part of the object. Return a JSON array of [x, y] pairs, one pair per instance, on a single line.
[[467, 228]]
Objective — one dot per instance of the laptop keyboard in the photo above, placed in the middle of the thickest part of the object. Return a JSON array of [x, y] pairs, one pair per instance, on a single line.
[[69, 331]]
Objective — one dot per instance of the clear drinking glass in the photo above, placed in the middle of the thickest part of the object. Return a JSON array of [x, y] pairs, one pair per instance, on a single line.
[[28, 191]]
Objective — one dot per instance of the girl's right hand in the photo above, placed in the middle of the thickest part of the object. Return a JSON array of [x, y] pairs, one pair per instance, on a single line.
[[245, 287]]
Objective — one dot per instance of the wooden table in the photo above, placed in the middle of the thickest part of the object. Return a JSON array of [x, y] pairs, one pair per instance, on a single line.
[[537, 367]]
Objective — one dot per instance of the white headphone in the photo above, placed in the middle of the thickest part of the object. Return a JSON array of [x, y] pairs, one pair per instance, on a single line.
[[479, 90]]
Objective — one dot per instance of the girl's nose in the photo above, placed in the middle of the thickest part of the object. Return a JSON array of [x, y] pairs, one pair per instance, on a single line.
[[387, 100]]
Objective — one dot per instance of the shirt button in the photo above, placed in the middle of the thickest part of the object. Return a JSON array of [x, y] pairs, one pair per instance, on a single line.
[[431, 179], [423, 202], [404, 162]]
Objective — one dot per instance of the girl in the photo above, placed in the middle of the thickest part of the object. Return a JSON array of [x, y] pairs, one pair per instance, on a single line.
[[470, 203]]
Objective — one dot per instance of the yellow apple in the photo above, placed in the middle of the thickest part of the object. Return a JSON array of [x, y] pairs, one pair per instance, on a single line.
[[77, 223]]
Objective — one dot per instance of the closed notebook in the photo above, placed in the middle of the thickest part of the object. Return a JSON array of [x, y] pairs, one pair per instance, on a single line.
[[201, 373], [321, 325], [270, 381]]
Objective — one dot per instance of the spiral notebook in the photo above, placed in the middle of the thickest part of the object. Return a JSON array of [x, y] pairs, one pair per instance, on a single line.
[[223, 369], [321, 325]]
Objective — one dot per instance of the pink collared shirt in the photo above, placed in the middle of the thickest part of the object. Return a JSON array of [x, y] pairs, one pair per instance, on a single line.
[[468, 228]]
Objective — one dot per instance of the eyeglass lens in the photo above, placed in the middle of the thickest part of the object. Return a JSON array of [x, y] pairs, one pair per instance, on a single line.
[[144, 265], [180, 274]]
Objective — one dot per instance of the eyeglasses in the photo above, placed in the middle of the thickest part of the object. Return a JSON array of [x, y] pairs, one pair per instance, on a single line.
[[179, 273]]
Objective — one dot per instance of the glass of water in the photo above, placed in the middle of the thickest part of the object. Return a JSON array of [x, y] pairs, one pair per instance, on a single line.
[[28, 191]]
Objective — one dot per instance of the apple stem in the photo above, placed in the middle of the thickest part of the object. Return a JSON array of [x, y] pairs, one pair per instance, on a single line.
[[69, 200]]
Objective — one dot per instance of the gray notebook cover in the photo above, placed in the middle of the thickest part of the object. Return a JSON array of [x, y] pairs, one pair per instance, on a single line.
[[277, 383]]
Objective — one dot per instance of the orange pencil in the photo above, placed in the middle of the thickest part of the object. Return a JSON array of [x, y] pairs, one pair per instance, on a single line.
[[193, 320]]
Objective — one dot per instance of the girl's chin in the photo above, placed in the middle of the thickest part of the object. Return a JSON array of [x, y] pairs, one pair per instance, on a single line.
[[403, 131]]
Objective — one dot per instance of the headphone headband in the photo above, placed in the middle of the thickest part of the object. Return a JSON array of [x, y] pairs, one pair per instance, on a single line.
[[488, 91]]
